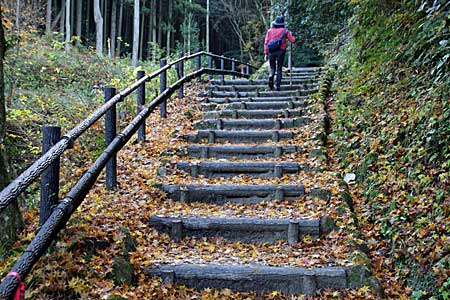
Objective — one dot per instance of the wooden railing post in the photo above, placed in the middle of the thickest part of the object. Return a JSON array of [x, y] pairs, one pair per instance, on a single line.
[[111, 131], [210, 66], [140, 98], [162, 88], [247, 70], [233, 68], [199, 64], [180, 69], [222, 67], [50, 177]]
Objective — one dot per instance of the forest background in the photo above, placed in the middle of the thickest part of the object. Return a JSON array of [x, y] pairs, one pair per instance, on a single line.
[[391, 99]]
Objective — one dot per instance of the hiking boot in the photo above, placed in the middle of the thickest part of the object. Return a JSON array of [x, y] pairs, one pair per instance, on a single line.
[[271, 83]]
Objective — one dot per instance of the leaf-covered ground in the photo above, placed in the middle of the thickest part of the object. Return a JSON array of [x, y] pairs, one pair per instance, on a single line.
[[79, 265]]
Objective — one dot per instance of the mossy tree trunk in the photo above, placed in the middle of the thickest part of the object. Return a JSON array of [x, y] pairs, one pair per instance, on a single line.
[[11, 219]]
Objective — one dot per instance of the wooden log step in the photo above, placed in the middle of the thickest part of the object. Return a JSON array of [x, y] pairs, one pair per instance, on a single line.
[[213, 169], [223, 193], [255, 113], [262, 87], [257, 105], [243, 124], [239, 136], [251, 99], [284, 81], [258, 94], [240, 152], [247, 230], [259, 279]]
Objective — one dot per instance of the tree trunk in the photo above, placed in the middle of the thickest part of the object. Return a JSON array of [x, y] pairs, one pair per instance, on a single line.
[[79, 20], [11, 222], [99, 27], [141, 43], [160, 20], [68, 30], [17, 24], [154, 30], [48, 23], [119, 43], [113, 28], [62, 21], [72, 17], [169, 27], [207, 26], [135, 34]]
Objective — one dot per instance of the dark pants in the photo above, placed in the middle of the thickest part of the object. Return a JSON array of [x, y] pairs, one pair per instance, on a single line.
[[276, 61]]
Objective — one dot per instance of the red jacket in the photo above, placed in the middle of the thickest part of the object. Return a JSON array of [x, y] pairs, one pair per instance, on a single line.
[[275, 33]]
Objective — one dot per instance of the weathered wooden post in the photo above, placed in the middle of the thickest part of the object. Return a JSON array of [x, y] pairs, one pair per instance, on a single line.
[[162, 88], [180, 72], [140, 98], [247, 70], [210, 66], [222, 67], [50, 177], [293, 231], [199, 64], [111, 129], [233, 68]]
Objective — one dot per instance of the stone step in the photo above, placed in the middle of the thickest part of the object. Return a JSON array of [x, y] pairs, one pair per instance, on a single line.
[[259, 279], [254, 88], [240, 152], [239, 136], [252, 124], [256, 105], [284, 81], [261, 169], [250, 99], [247, 230], [255, 113], [223, 193], [258, 94]]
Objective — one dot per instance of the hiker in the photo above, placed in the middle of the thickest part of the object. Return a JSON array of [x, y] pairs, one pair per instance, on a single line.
[[275, 49]]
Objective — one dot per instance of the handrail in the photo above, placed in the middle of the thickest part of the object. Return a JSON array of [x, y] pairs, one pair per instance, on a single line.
[[66, 207], [23, 181]]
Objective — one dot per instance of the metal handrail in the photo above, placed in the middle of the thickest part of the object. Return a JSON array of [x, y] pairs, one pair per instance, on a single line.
[[66, 207], [23, 181]]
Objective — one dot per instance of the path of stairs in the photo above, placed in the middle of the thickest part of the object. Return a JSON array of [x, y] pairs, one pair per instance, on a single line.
[[259, 158]]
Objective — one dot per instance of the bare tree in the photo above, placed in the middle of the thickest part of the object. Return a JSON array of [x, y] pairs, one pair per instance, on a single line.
[[207, 25], [63, 17], [120, 27], [135, 53], [68, 30], [99, 27]]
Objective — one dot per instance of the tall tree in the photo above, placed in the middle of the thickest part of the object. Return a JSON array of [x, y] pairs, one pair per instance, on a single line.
[[79, 20], [63, 17], [119, 44], [154, 14], [207, 25], [11, 221], [99, 27], [169, 26], [17, 24], [48, 23], [135, 53], [141, 42], [68, 26], [112, 51]]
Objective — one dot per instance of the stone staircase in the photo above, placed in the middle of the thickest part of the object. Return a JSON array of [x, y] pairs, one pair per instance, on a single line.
[[251, 148]]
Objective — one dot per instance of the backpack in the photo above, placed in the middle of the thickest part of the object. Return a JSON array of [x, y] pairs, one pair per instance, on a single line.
[[275, 45]]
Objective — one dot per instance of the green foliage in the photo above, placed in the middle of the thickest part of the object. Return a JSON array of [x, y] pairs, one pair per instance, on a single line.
[[393, 131], [316, 23]]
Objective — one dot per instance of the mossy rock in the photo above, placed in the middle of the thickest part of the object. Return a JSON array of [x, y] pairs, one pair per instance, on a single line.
[[348, 199], [129, 244], [122, 271]]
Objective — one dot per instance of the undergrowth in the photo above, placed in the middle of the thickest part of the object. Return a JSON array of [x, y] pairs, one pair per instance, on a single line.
[[393, 131]]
